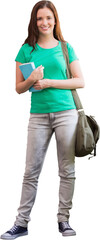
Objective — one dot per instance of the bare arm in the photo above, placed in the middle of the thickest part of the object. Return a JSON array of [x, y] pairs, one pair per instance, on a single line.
[[23, 85], [76, 82]]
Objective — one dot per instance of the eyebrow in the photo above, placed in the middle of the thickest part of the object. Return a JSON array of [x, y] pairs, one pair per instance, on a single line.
[[46, 16]]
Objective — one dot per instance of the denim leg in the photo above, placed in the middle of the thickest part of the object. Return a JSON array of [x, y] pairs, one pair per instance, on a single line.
[[65, 133], [38, 140]]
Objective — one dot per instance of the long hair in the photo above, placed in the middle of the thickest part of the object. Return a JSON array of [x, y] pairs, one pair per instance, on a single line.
[[33, 33]]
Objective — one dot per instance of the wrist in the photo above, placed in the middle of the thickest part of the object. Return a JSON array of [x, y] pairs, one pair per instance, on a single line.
[[31, 79], [49, 83]]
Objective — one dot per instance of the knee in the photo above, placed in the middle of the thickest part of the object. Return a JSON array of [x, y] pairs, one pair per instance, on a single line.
[[67, 172], [64, 175], [31, 175]]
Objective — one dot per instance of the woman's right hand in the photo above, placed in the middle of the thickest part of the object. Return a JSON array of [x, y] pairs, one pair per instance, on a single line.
[[23, 85], [37, 74]]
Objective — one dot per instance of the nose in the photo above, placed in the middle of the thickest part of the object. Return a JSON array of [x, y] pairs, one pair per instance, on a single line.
[[44, 22]]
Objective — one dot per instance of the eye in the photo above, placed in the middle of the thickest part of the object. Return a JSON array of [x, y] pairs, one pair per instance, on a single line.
[[39, 19], [49, 17]]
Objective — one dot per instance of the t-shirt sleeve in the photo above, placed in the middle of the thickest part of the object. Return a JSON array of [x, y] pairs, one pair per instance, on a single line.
[[20, 56], [71, 53]]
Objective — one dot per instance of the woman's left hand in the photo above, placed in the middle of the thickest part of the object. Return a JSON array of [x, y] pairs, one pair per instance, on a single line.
[[41, 84]]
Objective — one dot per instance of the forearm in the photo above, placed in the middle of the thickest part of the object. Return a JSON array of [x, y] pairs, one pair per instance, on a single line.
[[24, 85], [72, 83]]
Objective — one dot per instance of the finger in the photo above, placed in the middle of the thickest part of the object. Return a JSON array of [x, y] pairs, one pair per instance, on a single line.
[[40, 67], [35, 87]]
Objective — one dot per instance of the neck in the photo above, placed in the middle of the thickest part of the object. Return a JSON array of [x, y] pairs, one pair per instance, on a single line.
[[46, 39]]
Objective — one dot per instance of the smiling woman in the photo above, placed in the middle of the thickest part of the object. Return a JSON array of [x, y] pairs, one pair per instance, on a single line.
[[53, 110]]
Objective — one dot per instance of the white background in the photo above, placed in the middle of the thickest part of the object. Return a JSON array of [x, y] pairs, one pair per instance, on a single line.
[[80, 27]]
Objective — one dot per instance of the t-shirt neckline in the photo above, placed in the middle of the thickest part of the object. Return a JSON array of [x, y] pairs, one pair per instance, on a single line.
[[38, 46]]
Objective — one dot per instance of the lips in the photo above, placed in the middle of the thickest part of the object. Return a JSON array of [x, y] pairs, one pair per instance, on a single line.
[[44, 28]]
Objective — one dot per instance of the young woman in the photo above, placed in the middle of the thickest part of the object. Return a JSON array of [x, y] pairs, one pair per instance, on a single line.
[[52, 111]]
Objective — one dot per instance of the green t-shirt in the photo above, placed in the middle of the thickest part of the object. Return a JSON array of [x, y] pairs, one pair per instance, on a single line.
[[49, 99]]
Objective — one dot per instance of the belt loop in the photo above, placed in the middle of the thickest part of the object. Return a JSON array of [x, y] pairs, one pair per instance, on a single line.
[[51, 116]]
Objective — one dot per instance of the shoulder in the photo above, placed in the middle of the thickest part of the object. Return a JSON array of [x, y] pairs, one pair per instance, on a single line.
[[69, 46], [71, 53], [24, 53], [26, 47]]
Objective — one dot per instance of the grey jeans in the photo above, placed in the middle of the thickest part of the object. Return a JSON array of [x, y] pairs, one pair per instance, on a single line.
[[40, 129]]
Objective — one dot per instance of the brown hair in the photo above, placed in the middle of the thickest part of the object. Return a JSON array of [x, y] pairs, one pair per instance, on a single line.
[[33, 33]]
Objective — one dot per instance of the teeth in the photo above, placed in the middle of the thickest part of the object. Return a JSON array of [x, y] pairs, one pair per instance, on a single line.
[[45, 28]]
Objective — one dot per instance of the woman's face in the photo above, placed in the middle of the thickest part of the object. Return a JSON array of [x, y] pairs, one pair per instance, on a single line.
[[45, 21]]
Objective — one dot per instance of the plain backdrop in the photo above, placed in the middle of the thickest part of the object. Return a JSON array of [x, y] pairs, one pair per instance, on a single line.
[[80, 27]]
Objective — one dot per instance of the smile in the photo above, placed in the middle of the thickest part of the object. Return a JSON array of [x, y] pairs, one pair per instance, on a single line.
[[44, 28]]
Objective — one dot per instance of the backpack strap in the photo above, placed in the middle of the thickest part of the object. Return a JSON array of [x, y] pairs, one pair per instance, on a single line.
[[69, 75]]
